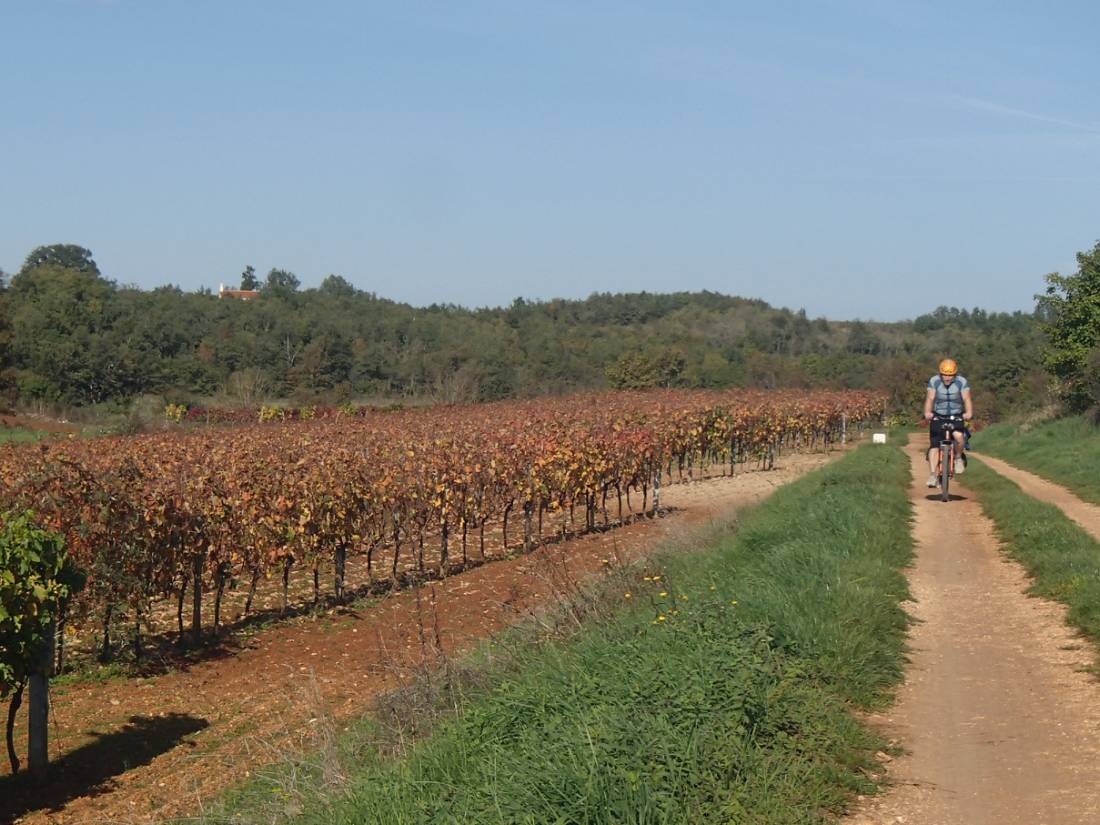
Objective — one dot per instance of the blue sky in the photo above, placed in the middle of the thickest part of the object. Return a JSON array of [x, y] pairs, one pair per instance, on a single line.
[[858, 158]]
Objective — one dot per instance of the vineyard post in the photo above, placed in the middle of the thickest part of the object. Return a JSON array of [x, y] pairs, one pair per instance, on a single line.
[[340, 568], [181, 598], [445, 547], [528, 527], [198, 562], [465, 539], [843, 429], [59, 644], [221, 576], [657, 491], [288, 562], [38, 716]]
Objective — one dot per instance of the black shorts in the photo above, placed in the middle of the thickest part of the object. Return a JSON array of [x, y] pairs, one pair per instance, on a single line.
[[936, 430]]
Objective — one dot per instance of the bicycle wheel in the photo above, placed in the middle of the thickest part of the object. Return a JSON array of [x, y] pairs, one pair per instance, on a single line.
[[945, 471]]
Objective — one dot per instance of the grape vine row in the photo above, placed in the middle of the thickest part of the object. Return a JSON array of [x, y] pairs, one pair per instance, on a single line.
[[152, 517]]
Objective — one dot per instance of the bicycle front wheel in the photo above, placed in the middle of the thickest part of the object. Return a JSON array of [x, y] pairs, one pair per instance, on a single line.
[[945, 471]]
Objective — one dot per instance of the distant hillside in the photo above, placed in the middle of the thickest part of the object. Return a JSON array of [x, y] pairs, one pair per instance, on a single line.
[[70, 336]]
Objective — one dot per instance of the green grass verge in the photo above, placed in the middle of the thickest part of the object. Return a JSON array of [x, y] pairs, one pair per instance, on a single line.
[[1061, 557], [1065, 451], [721, 691]]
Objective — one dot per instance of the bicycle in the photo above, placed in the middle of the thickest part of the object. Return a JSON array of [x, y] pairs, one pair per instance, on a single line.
[[945, 462]]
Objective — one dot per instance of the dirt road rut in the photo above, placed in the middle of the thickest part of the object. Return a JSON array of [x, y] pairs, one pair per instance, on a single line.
[[1000, 722], [1085, 514]]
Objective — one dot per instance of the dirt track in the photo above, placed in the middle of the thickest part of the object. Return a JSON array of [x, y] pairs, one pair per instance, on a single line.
[[143, 750], [1000, 723], [1085, 514]]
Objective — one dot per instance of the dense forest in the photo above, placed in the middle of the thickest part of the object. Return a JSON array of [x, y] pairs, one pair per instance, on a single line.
[[69, 336]]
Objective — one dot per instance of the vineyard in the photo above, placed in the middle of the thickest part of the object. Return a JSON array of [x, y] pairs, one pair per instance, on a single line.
[[176, 516]]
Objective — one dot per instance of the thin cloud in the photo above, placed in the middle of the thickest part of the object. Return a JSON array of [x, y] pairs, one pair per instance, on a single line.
[[991, 107]]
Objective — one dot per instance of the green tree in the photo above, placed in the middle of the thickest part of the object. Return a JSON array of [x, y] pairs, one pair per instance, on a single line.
[[635, 371], [862, 339], [337, 287], [1071, 306], [64, 255], [282, 282], [249, 279], [714, 371], [36, 579], [60, 320]]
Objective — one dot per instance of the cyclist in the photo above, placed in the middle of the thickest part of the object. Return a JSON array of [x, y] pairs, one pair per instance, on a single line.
[[948, 394]]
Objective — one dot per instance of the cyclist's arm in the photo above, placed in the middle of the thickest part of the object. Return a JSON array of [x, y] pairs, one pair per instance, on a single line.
[[968, 405], [929, 397]]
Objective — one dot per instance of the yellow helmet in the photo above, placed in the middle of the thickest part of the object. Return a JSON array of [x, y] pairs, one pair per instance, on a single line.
[[948, 367]]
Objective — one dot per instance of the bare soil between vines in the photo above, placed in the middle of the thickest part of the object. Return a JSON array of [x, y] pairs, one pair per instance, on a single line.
[[145, 750]]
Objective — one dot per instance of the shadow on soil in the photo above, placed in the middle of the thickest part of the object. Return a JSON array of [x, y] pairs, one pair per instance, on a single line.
[[950, 497], [91, 769]]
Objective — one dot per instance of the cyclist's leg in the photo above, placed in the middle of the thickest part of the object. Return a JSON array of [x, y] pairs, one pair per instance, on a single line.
[[933, 456], [960, 459]]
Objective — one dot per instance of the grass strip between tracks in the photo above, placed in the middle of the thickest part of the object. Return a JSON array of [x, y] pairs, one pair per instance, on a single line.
[[720, 691], [1062, 559], [1065, 451]]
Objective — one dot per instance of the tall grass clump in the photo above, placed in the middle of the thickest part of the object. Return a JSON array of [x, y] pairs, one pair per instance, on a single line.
[[721, 689]]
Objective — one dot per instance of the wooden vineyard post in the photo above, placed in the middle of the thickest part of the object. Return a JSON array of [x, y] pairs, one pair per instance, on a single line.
[[340, 569], [197, 564], [38, 711], [528, 527], [657, 491], [843, 429]]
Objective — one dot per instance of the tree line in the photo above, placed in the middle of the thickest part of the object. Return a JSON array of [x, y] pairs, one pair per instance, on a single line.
[[70, 336]]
